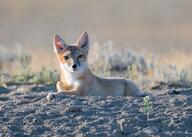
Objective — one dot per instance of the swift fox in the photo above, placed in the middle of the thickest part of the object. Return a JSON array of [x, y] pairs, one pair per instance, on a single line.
[[77, 79]]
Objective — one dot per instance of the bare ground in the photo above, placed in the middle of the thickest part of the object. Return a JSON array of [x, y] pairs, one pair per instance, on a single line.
[[25, 111]]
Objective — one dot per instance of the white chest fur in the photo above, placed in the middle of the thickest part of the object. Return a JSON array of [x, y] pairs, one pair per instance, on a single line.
[[71, 77]]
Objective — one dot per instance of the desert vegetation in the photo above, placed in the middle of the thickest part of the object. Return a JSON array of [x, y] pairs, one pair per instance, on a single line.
[[148, 42], [21, 65], [28, 76]]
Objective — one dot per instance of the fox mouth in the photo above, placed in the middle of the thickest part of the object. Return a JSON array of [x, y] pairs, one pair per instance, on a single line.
[[74, 69]]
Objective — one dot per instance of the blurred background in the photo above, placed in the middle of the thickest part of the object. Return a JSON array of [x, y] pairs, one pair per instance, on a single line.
[[159, 28]]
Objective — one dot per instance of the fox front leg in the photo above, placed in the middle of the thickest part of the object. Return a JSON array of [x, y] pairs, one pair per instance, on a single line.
[[60, 90], [59, 87]]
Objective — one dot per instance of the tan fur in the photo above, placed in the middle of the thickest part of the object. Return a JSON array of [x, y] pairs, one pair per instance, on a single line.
[[85, 82]]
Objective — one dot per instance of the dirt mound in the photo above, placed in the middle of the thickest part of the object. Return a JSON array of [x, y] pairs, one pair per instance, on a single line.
[[25, 111]]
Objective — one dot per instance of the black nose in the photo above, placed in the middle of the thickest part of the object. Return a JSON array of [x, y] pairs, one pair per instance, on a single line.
[[74, 66]]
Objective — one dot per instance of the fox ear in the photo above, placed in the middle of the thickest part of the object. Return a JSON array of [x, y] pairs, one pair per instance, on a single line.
[[59, 44], [83, 42]]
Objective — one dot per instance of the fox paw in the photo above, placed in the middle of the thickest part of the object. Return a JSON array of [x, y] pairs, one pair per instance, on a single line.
[[50, 96]]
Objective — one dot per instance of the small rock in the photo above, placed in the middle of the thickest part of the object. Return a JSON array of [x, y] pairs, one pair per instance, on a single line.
[[176, 92], [79, 117], [178, 102], [189, 100], [4, 98], [150, 130], [74, 109], [79, 135], [3, 90], [60, 131]]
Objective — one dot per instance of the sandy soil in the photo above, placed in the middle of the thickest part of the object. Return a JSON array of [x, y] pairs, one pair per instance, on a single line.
[[25, 111]]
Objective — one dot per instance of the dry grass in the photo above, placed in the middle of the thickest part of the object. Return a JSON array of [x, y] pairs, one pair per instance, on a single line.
[[180, 59], [25, 65]]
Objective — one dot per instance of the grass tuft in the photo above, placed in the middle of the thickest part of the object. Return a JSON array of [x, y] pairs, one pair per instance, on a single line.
[[45, 76]]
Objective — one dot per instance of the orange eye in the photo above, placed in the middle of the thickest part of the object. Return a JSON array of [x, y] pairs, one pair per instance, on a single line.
[[66, 57]]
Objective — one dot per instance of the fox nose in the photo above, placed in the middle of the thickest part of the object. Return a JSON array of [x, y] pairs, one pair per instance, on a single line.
[[74, 66]]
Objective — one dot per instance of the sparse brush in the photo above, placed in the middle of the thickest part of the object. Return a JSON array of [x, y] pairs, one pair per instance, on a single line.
[[105, 60], [117, 59], [171, 74], [45, 76], [25, 60]]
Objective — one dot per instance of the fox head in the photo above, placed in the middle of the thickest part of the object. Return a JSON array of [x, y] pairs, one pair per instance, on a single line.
[[72, 58]]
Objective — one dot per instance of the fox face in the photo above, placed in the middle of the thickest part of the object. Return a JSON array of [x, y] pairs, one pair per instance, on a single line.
[[72, 58]]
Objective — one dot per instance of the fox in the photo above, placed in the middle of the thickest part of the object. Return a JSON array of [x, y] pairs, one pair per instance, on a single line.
[[76, 77]]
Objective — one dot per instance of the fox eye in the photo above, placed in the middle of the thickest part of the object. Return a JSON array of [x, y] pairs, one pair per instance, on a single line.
[[80, 56], [66, 57]]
